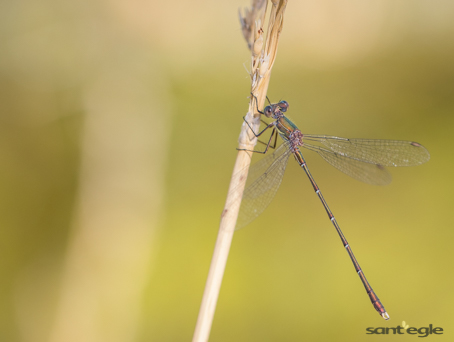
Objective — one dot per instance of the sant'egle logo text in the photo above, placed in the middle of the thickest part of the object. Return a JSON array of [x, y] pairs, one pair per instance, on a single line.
[[406, 329]]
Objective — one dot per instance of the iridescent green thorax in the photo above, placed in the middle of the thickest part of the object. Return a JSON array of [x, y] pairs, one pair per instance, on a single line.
[[289, 131]]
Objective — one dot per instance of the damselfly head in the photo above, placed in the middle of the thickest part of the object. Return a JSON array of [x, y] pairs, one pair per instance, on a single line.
[[276, 110]]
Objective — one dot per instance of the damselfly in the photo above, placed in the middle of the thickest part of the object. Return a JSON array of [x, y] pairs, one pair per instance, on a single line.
[[362, 159]]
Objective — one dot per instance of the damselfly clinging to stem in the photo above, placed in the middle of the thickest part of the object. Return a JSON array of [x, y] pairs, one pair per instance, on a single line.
[[362, 159]]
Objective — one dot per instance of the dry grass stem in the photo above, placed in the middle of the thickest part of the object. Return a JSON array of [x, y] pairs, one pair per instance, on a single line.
[[263, 55]]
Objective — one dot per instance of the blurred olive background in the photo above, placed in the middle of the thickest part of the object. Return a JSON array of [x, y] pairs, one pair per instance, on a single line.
[[119, 123]]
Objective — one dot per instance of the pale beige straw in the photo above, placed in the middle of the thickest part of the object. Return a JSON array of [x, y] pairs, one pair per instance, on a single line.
[[262, 60]]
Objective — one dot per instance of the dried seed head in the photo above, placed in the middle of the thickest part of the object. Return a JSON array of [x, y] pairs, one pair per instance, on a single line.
[[254, 81], [264, 65], [258, 42], [258, 29]]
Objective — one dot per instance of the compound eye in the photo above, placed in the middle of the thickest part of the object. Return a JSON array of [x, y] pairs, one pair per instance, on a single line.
[[283, 105], [268, 111]]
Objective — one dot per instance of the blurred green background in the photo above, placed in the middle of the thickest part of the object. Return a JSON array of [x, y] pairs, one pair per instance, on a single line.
[[119, 123]]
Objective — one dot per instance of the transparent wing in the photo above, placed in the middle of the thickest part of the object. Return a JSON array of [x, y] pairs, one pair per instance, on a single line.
[[375, 151], [264, 179], [366, 172]]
